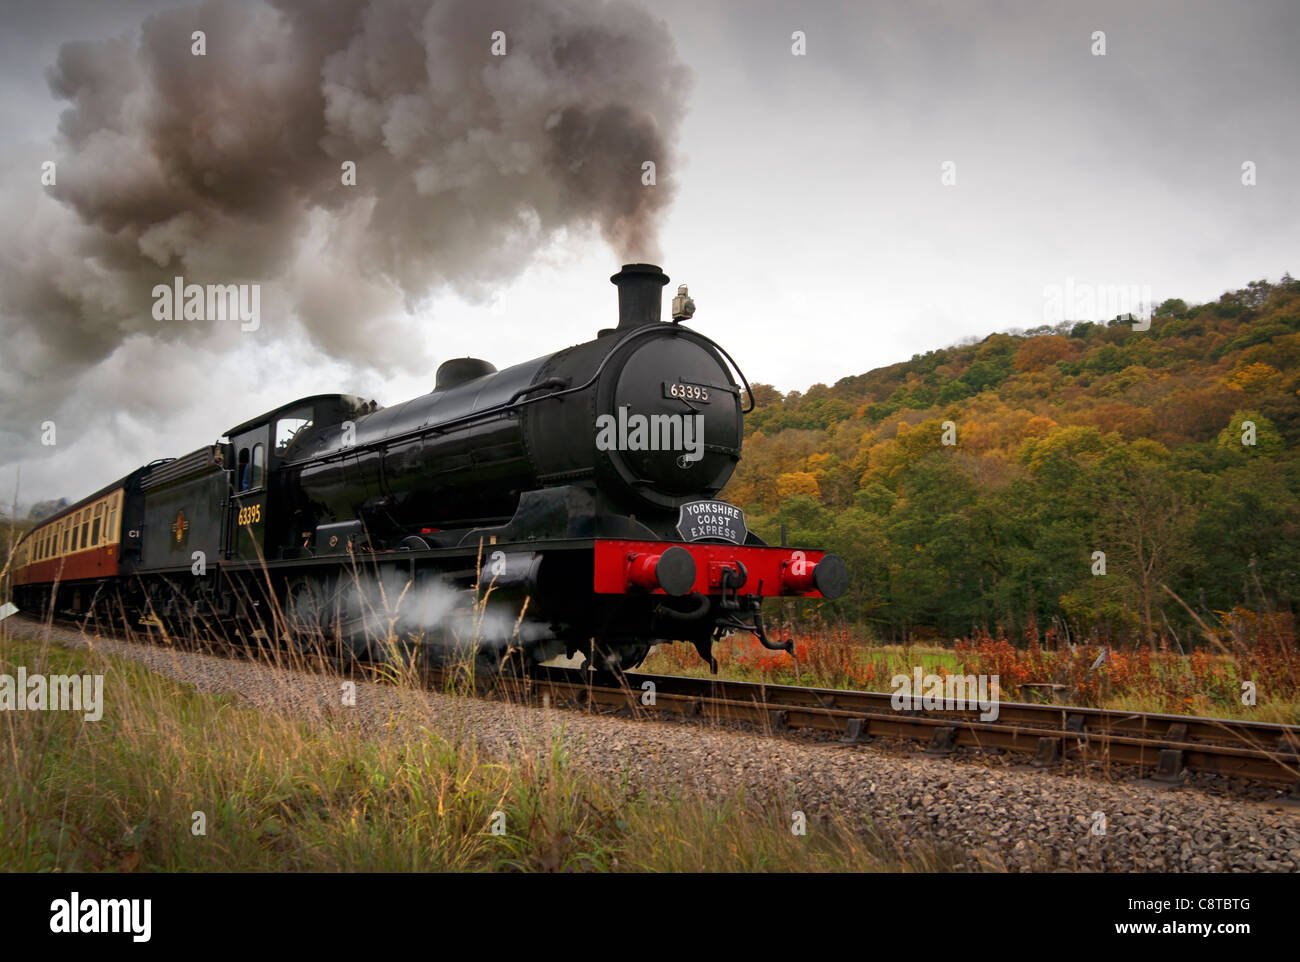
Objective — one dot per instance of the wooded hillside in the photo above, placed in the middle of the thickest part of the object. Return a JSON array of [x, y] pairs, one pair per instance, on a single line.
[[1069, 440]]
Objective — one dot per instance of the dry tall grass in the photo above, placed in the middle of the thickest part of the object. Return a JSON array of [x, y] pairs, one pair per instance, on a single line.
[[1258, 647], [328, 788]]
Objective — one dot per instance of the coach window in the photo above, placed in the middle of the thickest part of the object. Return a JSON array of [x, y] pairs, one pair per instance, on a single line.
[[259, 461], [85, 527], [97, 524], [66, 531]]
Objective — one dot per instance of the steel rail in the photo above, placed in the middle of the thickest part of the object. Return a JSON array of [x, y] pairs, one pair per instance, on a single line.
[[1169, 744], [1264, 751]]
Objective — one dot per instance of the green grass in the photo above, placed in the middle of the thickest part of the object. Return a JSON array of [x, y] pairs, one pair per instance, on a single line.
[[283, 794]]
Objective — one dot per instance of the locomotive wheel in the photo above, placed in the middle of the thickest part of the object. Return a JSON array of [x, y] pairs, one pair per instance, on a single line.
[[515, 663], [632, 657], [320, 619], [615, 660], [305, 612], [487, 664]]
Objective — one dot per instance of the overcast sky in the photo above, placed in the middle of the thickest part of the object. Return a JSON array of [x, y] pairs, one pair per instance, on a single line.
[[803, 204]]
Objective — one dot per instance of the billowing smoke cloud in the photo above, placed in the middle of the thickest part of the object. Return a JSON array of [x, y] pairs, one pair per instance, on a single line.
[[230, 168]]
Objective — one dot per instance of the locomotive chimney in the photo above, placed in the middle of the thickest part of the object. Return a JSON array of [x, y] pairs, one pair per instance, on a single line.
[[640, 295]]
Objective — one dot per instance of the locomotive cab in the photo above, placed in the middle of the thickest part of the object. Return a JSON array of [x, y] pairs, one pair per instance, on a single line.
[[265, 518]]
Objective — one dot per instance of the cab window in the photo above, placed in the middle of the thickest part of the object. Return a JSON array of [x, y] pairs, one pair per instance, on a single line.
[[257, 466], [287, 428]]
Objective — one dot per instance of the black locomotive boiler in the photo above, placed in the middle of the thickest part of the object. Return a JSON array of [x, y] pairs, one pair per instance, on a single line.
[[564, 505]]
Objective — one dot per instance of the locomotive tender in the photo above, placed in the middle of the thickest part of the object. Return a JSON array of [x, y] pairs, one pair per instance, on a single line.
[[564, 505]]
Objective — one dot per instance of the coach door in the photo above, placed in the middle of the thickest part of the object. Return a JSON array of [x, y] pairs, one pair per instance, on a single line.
[[248, 501]]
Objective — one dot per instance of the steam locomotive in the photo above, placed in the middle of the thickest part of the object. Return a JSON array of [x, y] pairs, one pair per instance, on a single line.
[[562, 506]]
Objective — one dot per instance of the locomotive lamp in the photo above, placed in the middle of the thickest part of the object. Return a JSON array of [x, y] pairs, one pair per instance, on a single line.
[[683, 306]]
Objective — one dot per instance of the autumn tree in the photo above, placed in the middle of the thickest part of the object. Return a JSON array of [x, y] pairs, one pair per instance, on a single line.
[[796, 484], [1143, 522], [1039, 352]]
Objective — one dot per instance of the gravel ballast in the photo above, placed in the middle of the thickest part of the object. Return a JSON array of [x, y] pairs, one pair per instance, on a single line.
[[980, 816]]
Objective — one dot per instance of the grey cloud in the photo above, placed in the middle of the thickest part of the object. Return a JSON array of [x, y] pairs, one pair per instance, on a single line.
[[227, 168]]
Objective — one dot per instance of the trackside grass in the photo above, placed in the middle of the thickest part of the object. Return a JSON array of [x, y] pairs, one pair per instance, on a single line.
[[278, 793], [1205, 682]]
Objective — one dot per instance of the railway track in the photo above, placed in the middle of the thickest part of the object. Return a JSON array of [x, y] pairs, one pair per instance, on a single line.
[[1167, 745]]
